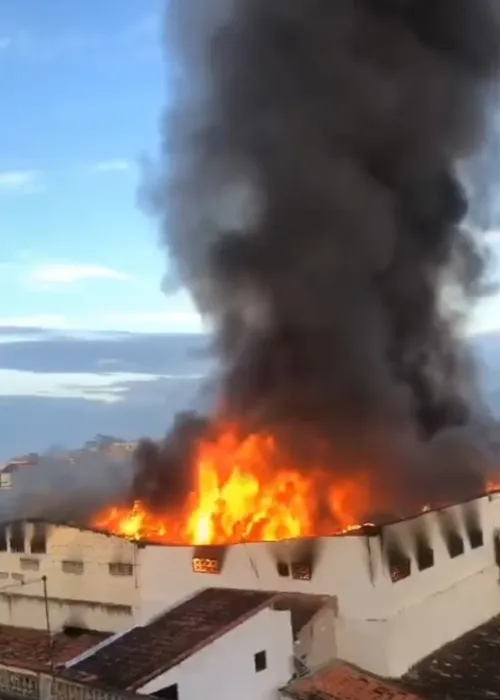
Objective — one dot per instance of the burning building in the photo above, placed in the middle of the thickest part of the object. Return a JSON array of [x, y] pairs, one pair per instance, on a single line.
[[310, 199], [397, 592]]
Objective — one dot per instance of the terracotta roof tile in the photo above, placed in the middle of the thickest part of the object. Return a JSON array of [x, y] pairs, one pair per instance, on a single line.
[[343, 682], [143, 653], [29, 648]]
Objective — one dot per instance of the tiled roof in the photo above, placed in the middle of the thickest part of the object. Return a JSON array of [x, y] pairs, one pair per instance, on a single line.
[[30, 649], [343, 682], [464, 669], [143, 653]]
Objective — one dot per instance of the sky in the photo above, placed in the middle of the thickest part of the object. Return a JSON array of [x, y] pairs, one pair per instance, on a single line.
[[83, 85]]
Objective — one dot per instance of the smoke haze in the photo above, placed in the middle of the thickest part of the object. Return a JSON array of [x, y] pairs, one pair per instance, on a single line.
[[310, 200]]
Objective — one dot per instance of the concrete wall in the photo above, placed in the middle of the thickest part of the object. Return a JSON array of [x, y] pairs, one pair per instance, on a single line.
[[225, 670], [382, 625], [342, 567], [91, 581]]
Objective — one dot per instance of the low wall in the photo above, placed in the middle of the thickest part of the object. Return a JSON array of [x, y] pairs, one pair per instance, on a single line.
[[27, 685]]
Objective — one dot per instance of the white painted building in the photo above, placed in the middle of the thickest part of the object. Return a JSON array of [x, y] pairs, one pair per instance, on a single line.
[[220, 643], [380, 599], [81, 578], [398, 592]]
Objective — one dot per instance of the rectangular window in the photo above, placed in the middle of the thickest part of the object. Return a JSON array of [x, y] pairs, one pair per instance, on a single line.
[[3, 538], [260, 661], [72, 567], [18, 577], [4, 574], [38, 544], [28, 564], [17, 537], [120, 569]]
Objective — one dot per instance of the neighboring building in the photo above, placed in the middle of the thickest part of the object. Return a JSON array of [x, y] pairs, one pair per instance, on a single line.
[[220, 644], [91, 579], [14, 465], [34, 650]]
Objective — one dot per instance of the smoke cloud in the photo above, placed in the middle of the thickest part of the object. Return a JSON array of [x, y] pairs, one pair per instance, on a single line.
[[310, 199], [59, 491]]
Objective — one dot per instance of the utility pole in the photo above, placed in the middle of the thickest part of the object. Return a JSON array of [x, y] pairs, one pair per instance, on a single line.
[[47, 623]]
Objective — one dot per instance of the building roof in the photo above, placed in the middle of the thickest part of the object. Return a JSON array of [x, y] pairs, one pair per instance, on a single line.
[[143, 653], [339, 681], [30, 649], [466, 668]]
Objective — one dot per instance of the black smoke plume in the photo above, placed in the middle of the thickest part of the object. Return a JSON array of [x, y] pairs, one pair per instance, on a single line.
[[311, 202]]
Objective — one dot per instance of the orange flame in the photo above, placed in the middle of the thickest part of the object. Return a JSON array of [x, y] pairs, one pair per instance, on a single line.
[[245, 490], [243, 493]]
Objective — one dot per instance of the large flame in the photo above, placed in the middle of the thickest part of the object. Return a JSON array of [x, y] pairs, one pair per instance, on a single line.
[[244, 493], [247, 490]]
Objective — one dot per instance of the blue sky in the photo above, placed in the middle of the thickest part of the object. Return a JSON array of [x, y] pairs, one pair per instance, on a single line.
[[83, 86]]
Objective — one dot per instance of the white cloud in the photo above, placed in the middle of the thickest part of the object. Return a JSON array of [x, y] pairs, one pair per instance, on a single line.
[[20, 180], [69, 273], [112, 166], [112, 321]]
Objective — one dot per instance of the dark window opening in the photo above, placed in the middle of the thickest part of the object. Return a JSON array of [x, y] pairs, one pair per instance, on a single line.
[[260, 661], [301, 572], [425, 555], [497, 550], [455, 544], [171, 692], [3, 538], [476, 538], [17, 537], [399, 566], [283, 569], [38, 544]]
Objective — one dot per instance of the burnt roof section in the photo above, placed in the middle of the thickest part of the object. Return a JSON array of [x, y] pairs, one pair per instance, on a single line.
[[339, 681], [466, 669], [143, 653]]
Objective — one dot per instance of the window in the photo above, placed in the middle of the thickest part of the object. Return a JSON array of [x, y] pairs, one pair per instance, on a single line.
[[120, 569], [399, 564], [38, 544], [424, 554], [4, 574], [283, 569], [17, 537], [302, 571], [476, 538], [28, 564], [18, 577], [3, 538], [455, 544], [260, 661], [72, 567], [171, 692]]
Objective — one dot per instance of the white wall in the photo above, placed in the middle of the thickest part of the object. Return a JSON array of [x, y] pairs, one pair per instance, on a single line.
[[382, 626], [225, 669], [87, 594], [342, 568]]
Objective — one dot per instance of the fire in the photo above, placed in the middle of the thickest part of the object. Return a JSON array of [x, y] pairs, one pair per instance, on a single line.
[[247, 490], [245, 493]]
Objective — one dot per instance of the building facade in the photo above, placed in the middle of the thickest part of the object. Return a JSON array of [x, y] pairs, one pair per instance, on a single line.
[[61, 576]]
